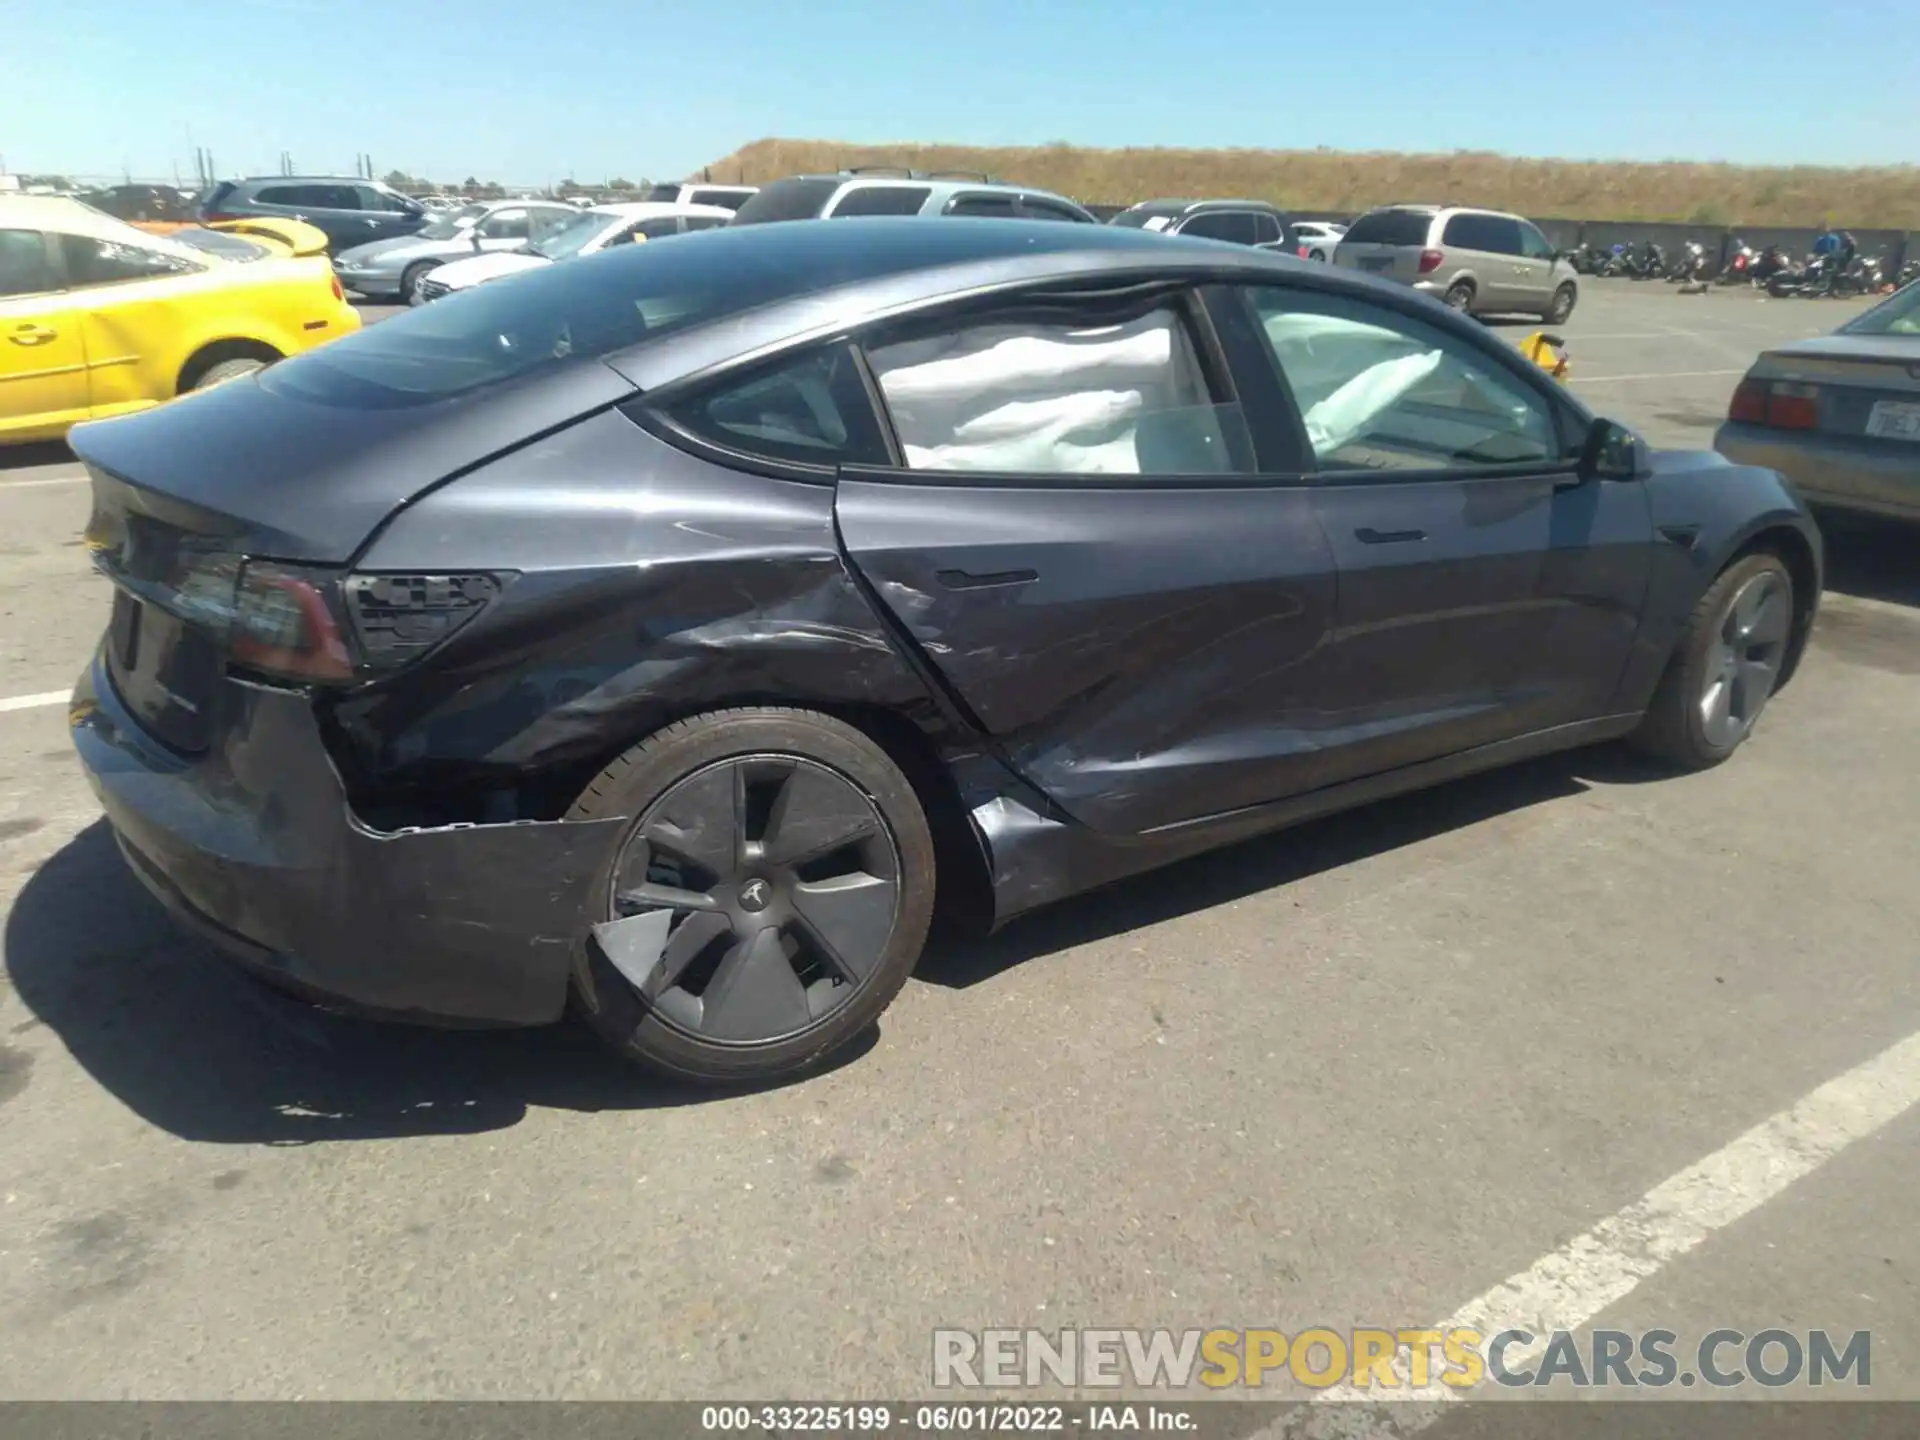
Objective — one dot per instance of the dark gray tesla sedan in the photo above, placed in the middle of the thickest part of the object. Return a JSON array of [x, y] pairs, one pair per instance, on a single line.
[[670, 627]]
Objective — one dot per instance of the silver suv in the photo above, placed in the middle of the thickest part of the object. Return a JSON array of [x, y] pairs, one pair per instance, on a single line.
[[1480, 261], [876, 190]]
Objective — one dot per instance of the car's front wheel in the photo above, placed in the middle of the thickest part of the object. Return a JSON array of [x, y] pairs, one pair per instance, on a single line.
[[767, 903], [410, 281], [1725, 669]]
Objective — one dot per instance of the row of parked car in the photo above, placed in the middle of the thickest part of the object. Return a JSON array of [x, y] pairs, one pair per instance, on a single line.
[[257, 268], [1475, 260]]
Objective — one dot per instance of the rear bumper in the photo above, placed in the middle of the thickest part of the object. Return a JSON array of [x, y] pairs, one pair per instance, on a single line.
[[1836, 470], [254, 846]]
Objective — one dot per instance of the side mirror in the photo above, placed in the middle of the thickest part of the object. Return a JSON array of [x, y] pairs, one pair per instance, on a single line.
[[1613, 452]]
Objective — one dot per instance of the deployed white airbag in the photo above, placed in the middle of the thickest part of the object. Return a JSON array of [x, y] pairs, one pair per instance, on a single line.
[[1350, 411]]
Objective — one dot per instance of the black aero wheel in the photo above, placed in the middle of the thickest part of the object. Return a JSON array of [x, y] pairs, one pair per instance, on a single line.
[[768, 902]]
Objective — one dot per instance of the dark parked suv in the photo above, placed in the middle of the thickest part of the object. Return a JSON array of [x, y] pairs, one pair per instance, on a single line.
[[673, 626], [1238, 222], [352, 212]]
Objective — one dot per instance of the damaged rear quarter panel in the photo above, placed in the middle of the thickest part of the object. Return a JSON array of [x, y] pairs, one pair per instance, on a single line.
[[650, 585]]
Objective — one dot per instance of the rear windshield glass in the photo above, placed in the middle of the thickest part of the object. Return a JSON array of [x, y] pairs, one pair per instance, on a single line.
[[220, 242], [583, 308], [798, 199], [1899, 314], [1136, 219], [1390, 227]]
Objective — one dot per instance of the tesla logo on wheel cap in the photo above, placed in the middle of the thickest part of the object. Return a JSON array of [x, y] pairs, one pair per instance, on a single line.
[[754, 895]]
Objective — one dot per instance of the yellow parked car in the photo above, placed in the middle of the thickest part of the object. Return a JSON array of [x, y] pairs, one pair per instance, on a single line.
[[277, 236], [98, 318]]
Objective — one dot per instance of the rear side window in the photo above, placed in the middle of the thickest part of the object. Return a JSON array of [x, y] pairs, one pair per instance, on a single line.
[[1036, 207], [728, 199], [371, 197], [1058, 397], [809, 410], [1266, 229], [992, 206], [702, 222], [881, 200], [109, 262], [1380, 391], [312, 197], [23, 263], [1391, 227], [1492, 234], [801, 198], [666, 193], [505, 225], [1232, 225]]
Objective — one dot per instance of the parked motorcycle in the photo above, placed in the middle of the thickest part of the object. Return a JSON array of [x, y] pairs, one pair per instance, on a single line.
[[1646, 262], [1689, 264], [1741, 258]]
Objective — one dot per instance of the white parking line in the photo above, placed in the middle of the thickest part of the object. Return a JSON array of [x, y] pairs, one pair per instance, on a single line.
[[34, 702], [1652, 375], [30, 484], [1567, 1289]]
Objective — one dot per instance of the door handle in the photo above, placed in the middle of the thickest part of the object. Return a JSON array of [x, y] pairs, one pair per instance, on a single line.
[[31, 334], [967, 580], [1367, 535]]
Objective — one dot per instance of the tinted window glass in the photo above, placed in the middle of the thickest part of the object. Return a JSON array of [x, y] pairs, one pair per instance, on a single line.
[[1036, 208], [371, 197], [107, 262], [1136, 219], [813, 410], [505, 225], [588, 307], [1056, 397], [1533, 244], [658, 229], [1489, 233], [312, 197], [1266, 229], [729, 199], [703, 222], [881, 200], [1381, 391], [1234, 225], [796, 199], [999, 206], [1391, 227], [23, 263], [223, 243], [664, 193]]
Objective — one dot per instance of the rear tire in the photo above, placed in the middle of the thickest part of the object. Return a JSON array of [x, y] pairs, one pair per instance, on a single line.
[[1724, 669], [226, 370], [1459, 297], [742, 950], [1562, 308]]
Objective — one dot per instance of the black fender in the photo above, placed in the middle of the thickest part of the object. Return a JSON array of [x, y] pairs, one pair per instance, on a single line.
[[1706, 512]]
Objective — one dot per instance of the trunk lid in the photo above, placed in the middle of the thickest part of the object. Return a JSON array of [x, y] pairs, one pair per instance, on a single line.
[[1858, 375], [184, 493]]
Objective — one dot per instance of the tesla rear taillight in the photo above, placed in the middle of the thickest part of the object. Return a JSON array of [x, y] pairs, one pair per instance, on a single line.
[[1430, 260], [283, 625], [397, 618], [1781, 404]]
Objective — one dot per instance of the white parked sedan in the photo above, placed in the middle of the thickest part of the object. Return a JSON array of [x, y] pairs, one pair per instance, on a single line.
[[1315, 239], [600, 228]]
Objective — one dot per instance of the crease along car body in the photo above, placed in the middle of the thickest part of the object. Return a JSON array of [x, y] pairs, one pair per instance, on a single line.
[[674, 626]]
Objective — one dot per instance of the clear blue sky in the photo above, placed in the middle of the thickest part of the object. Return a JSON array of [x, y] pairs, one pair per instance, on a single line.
[[527, 91]]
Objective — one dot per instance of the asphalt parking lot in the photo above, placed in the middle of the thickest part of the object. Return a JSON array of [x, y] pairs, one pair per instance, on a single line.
[[1355, 1074]]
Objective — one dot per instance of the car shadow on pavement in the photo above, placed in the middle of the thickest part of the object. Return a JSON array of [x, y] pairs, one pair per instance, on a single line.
[[1282, 858], [201, 1050], [1872, 559], [19, 461]]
